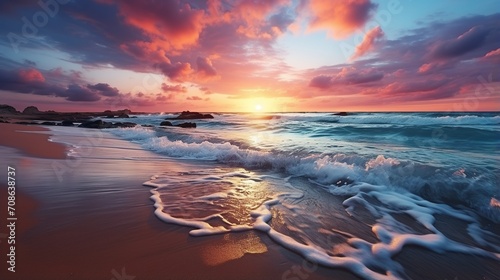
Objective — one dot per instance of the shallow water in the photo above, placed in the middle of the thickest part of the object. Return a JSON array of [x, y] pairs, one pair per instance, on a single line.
[[350, 192]]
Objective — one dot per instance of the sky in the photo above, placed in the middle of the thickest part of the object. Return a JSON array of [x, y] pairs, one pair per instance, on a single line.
[[250, 55]]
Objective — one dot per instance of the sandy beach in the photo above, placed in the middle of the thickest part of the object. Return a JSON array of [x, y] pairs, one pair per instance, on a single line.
[[30, 144], [96, 221]]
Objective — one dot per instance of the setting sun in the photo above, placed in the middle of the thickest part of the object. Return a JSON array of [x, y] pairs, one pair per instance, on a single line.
[[258, 107]]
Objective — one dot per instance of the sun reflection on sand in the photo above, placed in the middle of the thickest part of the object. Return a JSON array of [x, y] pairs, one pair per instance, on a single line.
[[232, 247]]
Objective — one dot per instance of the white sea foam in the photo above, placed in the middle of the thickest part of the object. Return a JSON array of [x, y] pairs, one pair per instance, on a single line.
[[240, 191], [134, 133], [337, 169]]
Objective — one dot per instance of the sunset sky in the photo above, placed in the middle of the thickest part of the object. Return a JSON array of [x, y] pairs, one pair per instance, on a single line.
[[235, 55]]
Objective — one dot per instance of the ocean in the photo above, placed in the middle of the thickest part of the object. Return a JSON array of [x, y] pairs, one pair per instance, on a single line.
[[349, 192]]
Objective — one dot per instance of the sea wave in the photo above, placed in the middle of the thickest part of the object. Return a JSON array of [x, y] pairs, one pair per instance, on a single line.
[[453, 185], [398, 119]]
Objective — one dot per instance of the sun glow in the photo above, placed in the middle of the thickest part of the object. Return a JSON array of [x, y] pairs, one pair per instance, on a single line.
[[258, 107]]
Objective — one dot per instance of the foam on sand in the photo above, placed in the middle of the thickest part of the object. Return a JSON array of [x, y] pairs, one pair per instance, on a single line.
[[220, 201]]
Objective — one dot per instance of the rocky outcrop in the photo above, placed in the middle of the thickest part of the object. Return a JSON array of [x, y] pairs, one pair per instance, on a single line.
[[31, 110], [125, 111], [100, 124], [125, 124], [183, 125], [118, 114], [186, 115], [7, 109], [96, 124], [187, 125], [48, 123], [67, 123], [342, 114]]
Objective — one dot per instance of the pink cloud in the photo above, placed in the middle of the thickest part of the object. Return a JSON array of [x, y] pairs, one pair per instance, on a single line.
[[262, 19], [493, 56], [399, 73], [173, 88], [143, 50], [194, 98], [341, 17], [205, 90], [346, 76], [493, 53], [426, 67], [130, 101], [412, 87], [31, 75], [368, 42], [205, 68], [321, 82], [177, 23], [163, 98], [175, 71]]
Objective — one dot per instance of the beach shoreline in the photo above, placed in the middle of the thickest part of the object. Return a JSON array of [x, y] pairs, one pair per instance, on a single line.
[[76, 228], [22, 138], [88, 216]]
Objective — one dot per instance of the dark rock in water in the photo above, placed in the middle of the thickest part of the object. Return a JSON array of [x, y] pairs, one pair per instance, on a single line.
[[92, 124], [341, 114], [81, 120], [148, 125], [4, 121], [7, 109], [31, 110], [96, 124], [187, 125], [100, 124], [26, 123], [165, 123], [48, 123], [186, 115], [123, 115], [110, 116], [67, 123], [125, 124], [125, 111]]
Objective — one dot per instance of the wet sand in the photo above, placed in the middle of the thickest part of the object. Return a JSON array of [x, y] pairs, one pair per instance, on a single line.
[[95, 221], [31, 144]]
